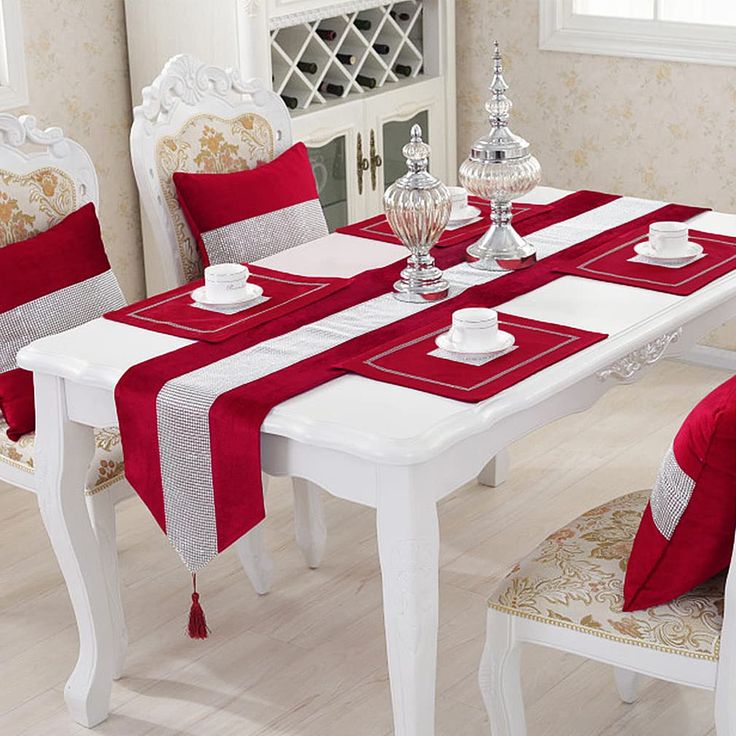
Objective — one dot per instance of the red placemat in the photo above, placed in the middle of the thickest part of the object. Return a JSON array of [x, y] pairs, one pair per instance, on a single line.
[[175, 313], [377, 228], [610, 262], [414, 361]]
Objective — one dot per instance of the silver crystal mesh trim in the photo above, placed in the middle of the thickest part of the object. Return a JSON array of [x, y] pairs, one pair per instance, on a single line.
[[183, 404], [261, 236], [670, 495], [556, 237], [56, 312]]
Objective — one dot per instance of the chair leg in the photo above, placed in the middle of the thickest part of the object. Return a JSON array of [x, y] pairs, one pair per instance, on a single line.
[[101, 509], [251, 551], [627, 684], [256, 562], [500, 678], [725, 711], [309, 521]]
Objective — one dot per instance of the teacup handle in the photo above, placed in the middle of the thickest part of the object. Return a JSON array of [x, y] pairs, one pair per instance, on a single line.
[[456, 335]]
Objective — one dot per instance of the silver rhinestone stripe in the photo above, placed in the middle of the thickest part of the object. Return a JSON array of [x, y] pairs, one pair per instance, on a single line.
[[670, 496], [261, 236], [576, 229], [183, 404], [56, 312]]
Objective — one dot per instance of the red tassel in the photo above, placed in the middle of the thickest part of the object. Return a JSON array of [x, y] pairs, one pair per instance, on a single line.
[[197, 622]]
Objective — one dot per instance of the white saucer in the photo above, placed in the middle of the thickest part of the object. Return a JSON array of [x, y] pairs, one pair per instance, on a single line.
[[505, 341], [467, 214], [253, 291], [692, 250]]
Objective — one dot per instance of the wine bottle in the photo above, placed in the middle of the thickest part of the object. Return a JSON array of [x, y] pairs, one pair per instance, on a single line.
[[291, 102], [381, 48], [347, 59], [327, 34], [403, 70], [332, 89], [365, 81], [308, 67], [400, 16], [362, 24]]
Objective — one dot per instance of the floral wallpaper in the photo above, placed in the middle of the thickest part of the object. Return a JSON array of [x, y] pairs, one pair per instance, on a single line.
[[77, 65], [640, 127]]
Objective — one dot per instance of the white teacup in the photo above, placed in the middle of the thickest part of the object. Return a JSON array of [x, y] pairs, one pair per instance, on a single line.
[[226, 282], [668, 238], [474, 329], [459, 199]]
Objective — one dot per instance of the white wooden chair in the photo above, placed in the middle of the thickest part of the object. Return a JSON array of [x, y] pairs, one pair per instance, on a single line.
[[567, 594], [203, 119], [45, 176]]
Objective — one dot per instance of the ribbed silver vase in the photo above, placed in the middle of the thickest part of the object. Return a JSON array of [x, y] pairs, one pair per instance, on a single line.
[[418, 207]]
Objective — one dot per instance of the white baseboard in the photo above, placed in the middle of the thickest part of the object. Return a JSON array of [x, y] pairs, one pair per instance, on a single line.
[[711, 357]]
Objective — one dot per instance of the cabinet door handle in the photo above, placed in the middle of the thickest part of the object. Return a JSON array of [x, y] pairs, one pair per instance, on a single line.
[[363, 163], [376, 161]]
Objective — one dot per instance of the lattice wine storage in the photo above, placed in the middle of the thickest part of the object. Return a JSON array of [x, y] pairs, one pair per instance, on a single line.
[[346, 55]]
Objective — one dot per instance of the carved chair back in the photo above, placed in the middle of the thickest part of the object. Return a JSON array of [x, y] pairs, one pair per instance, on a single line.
[[196, 118], [43, 178]]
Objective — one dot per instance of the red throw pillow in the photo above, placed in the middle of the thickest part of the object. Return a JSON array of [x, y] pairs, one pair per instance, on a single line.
[[52, 282], [686, 534], [247, 215]]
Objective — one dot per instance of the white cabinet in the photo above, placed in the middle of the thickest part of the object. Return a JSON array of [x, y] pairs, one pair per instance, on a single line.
[[357, 73]]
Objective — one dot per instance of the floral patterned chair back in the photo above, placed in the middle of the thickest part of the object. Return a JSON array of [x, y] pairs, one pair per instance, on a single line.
[[196, 118], [43, 178]]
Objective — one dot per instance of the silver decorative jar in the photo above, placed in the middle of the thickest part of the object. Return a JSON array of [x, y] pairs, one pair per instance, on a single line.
[[418, 207], [500, 169]]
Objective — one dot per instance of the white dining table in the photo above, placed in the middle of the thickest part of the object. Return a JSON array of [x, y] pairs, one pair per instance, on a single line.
[[397, 450]]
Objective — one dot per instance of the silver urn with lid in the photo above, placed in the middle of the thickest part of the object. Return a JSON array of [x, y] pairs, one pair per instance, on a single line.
[[500, 169], [418, 207]]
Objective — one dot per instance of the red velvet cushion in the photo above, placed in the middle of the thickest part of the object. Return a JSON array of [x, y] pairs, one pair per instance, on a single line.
[[51, 283], [247, 215], [686, 534]]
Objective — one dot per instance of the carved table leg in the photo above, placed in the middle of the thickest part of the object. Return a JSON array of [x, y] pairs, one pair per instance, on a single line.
[[408, 547], [63, 453], [497, 471], [309, 521], [101, 508]]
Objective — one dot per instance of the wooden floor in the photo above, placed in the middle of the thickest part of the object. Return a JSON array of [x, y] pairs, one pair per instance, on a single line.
[[309, 658]]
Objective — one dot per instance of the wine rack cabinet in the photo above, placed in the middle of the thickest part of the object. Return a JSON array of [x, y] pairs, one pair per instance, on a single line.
[[326, 59]]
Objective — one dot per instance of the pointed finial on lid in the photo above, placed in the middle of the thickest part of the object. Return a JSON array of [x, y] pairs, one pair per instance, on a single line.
[[497, 57], [499, 106], [416, 151]]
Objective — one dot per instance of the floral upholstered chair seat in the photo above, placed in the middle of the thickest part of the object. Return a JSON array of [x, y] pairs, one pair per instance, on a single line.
[[105, 470], [574, 579], [209, 144]]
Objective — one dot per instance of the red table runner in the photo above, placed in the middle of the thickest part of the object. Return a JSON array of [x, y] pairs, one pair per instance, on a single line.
[[175, 313], [190, 419], [377, 228], [414, 360], [610, 262]]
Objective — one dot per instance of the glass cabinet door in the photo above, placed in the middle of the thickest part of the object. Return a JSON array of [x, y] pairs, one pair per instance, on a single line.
[[395, 137], [331, 174]]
